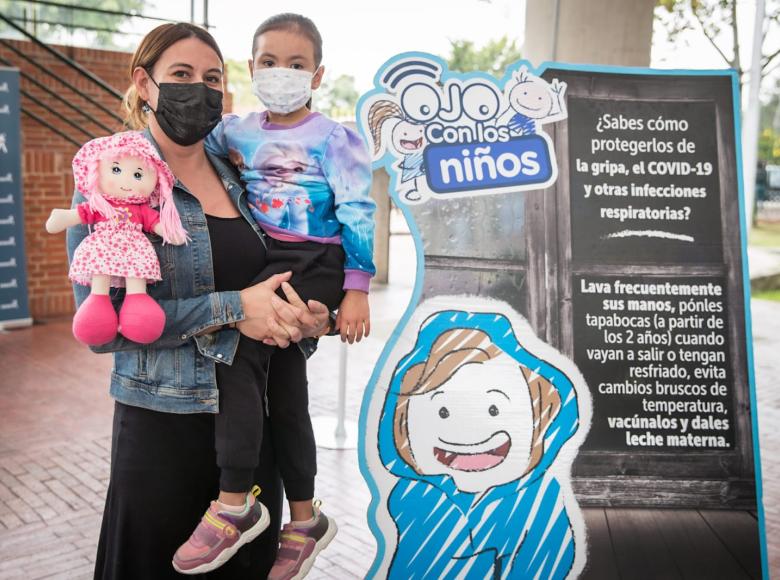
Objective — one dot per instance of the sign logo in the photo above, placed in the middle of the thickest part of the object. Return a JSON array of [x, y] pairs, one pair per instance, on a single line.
[[446, 135]]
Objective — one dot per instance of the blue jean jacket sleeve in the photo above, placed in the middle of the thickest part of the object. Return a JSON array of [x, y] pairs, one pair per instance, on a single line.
[[184, 317]]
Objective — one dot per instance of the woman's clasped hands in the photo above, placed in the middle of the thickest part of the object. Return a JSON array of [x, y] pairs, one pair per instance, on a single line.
[[277, 322]]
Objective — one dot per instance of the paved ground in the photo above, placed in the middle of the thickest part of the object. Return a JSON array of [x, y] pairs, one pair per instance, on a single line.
[[55, 436]]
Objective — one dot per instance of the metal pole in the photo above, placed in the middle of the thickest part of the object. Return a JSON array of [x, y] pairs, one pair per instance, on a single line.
[[62, 58], [341, 432], [337, 432], [751, 117], [192, 11], [206, 14]]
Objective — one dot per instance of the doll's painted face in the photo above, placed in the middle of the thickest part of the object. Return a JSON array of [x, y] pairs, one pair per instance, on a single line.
[[477, 427], [126, 177]]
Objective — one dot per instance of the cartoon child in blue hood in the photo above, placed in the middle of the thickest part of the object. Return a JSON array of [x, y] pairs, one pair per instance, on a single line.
[[471, 427]]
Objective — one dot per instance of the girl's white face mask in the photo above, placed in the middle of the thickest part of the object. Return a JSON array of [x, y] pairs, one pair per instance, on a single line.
[[282, 90]]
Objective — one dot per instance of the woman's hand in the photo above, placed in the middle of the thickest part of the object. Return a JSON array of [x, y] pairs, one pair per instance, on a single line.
[[297, 319], [256, 302]]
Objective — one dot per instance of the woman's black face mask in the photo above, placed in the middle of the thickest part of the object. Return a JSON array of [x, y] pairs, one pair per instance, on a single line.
[[187, 112]]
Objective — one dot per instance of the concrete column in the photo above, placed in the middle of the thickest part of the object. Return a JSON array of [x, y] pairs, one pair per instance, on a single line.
[[379, 187], [617, 32]]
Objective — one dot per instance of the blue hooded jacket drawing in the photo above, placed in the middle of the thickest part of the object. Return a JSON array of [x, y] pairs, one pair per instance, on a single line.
[[493, 507]]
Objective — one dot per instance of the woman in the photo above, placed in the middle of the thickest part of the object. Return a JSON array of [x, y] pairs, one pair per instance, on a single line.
[[163, 468]]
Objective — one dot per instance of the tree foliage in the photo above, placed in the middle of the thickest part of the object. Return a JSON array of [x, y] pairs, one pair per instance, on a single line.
[[769, 138], [717, 21], [55, 24], [337, 98], [239, 83], [493, 58]]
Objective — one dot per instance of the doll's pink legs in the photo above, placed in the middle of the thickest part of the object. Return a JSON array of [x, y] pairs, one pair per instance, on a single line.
[[95, 322], [140, 319]]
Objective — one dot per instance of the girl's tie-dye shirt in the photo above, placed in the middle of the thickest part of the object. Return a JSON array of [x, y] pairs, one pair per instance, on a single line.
[[309, 181]]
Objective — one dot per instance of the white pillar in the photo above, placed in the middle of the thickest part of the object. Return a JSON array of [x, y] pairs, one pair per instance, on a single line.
[[751, 117]]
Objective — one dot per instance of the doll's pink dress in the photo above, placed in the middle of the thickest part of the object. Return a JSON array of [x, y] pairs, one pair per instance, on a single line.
[[117, 247]]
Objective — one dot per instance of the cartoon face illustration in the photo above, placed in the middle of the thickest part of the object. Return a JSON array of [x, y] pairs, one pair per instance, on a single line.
[[473, 413], [408, 137], [476, 426], [532, 98], [481, 419], [280, 161]]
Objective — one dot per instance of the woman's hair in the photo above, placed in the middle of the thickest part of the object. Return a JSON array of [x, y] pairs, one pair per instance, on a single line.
[[451, 351], [292, 23], [148, 53]]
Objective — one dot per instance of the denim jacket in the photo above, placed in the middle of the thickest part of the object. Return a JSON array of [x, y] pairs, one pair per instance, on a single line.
[[176, 373]]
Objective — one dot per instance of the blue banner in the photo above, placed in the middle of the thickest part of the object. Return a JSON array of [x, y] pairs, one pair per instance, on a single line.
[[521, 161], [14, 308]]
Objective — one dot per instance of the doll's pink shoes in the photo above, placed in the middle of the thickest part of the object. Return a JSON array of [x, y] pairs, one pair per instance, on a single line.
[[219, 535], [141, 319], [95, 322]]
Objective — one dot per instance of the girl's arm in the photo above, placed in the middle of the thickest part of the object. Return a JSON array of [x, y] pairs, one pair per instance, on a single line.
[[346, 165], [216, 141]]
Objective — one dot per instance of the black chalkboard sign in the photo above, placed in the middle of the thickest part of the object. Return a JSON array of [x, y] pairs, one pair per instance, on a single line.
[[656, 352], [644, 181], [646, 288], [630, 264]]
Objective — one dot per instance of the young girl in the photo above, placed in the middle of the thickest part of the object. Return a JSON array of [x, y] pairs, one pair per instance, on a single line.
[[308, 180]]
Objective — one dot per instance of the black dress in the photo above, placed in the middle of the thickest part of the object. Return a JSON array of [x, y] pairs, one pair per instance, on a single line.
[[163, 465]]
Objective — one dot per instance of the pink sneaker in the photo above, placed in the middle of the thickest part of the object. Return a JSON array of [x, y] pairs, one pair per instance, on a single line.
[[301, 544], [219, 535], [95, 322], [141, 319]]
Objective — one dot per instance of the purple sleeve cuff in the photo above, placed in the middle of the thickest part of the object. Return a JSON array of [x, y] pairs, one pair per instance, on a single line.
[[356, 280]]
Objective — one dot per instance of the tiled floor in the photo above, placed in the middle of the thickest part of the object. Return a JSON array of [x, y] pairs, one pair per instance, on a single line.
[[55, 434]]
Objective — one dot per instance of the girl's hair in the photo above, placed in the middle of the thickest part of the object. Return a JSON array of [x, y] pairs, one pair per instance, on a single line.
[[148, 53], [452, 350], [292, 23]]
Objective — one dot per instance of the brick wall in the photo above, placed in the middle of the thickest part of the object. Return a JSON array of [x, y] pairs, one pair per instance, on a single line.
[[46, 159]]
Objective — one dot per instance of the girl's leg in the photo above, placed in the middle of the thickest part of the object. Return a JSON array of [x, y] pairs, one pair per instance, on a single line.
[[140, 319], [95, 322], [293, 435], [239, 424], [310, 530], [236, 518]]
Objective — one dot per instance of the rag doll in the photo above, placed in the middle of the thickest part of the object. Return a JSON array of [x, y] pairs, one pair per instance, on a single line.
[[123, 179]]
